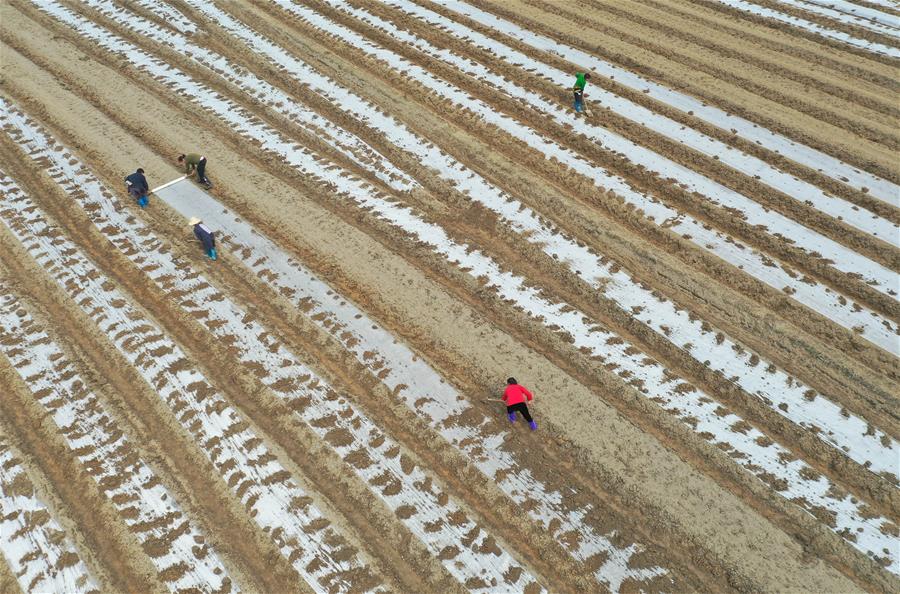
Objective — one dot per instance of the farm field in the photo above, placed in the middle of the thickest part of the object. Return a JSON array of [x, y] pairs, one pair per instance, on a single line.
[[697, 278]]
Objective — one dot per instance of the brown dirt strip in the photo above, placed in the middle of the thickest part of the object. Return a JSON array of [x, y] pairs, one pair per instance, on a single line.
[[10, 380], [576, 187], [782, 35], [884, 9], [238, 181], [777, 29], [879, 250], [8, 582], [560, 90], [98, 524], [755, 100]]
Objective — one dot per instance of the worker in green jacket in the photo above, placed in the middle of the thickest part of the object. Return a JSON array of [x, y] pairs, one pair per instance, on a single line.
[[193, 161], [581, 79]]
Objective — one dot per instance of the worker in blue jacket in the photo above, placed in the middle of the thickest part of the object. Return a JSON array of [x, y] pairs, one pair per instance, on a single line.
[[205, 236], [137, 187]]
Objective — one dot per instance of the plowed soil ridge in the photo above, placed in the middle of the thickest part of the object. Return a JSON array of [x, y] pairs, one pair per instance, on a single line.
[[847, 14]]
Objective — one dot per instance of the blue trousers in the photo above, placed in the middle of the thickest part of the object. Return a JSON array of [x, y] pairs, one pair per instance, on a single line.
[[579, 104], [141, 198]]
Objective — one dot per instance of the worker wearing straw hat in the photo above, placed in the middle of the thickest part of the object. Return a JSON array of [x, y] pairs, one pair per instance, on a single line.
[[205, 236]]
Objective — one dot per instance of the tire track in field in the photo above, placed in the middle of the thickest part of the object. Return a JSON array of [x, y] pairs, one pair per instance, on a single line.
[[39, 552], [268, 492], [407, 220], [467, 550]]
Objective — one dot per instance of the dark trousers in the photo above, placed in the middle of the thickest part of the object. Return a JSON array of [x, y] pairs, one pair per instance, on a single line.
[[139, 195], [201, 171], [519, 407]]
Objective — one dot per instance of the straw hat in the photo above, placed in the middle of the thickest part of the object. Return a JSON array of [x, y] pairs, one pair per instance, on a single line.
[[193, 221]]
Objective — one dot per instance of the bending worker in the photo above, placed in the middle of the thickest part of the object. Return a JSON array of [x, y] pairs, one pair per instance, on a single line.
[[205, 236], [137, 187], [514, 396], [193, 161]]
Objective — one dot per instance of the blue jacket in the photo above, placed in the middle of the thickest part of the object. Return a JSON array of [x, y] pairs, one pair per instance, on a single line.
[[205, 236], [138, 182]]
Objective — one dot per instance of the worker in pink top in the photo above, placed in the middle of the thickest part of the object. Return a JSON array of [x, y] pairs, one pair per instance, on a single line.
[[514, 396]]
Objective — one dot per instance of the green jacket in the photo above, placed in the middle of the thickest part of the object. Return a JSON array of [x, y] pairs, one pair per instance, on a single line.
[[191, 160], [580, 82]]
